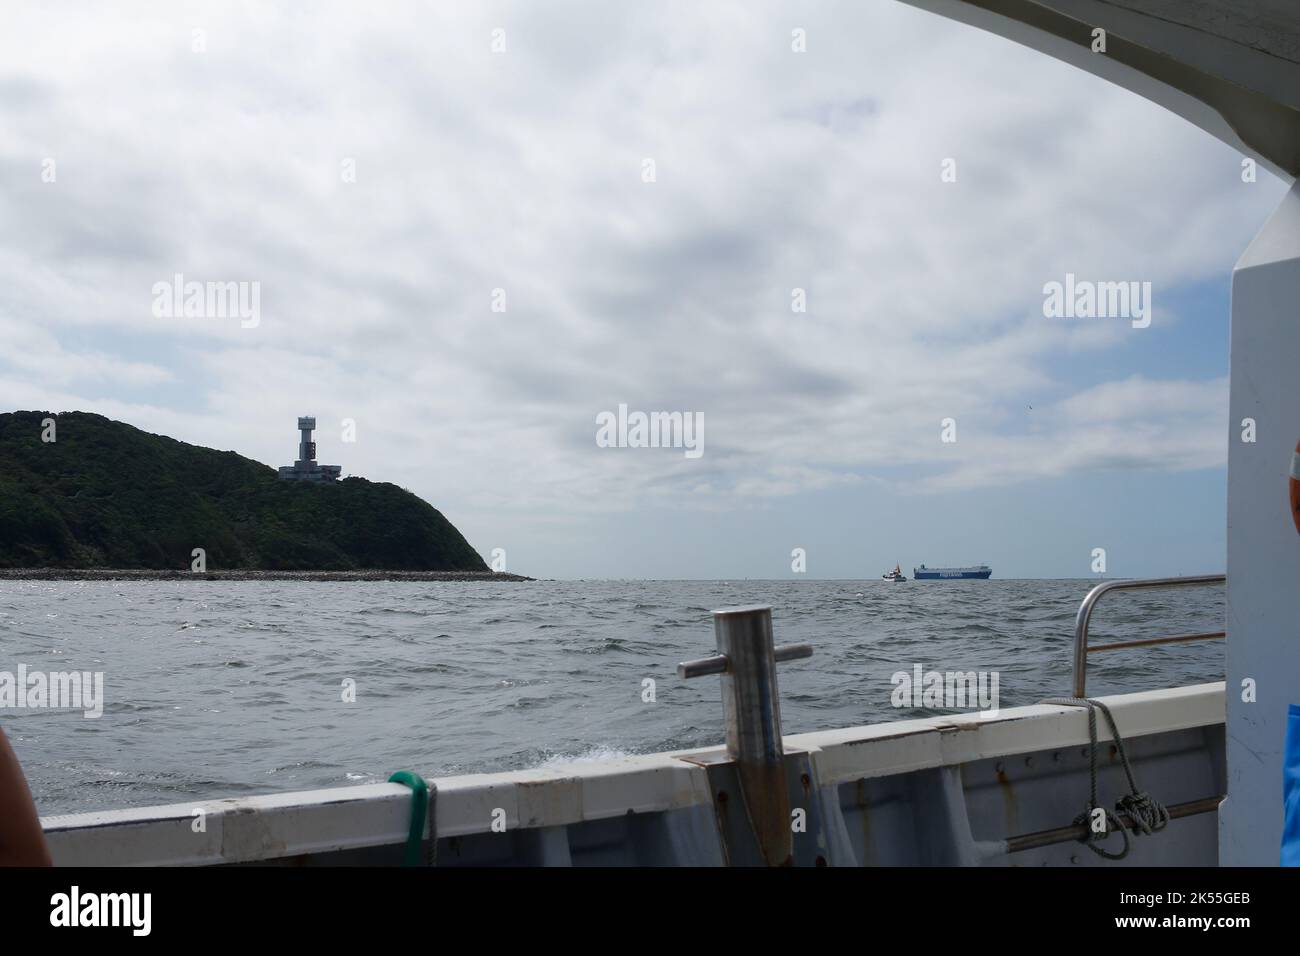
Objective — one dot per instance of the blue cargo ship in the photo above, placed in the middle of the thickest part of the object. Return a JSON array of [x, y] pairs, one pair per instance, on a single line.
[[980, 572]]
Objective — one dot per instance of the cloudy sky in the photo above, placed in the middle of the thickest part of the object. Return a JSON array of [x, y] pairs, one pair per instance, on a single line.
[[382, 170]]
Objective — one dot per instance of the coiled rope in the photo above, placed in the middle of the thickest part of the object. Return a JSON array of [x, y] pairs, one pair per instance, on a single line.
[[1146, 814], [424, 808]]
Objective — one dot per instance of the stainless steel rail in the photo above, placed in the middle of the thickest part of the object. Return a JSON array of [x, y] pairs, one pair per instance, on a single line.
[[1081, 648], [751, 707], [1079, 831]]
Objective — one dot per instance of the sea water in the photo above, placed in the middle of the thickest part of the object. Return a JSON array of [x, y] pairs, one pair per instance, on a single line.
[[216, 689]]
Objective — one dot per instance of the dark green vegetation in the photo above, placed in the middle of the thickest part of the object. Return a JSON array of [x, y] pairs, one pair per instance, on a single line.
[[107, 495]]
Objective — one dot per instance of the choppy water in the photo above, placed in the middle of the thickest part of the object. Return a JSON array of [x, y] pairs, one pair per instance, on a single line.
[[228, 688]]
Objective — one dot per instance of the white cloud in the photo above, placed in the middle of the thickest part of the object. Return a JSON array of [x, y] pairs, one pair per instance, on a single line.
[[522, 171], [1131, 425]]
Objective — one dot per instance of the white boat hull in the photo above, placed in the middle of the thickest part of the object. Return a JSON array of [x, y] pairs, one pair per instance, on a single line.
[[953, 790]]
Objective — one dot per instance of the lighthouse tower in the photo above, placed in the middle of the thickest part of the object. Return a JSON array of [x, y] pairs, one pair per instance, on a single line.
[[306, 468]]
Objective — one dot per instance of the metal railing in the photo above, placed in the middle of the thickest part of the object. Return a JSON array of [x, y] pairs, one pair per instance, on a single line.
[[751, 708], [1081, 648]]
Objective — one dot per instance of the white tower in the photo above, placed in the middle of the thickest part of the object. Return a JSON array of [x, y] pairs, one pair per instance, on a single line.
[[306, 447], [305, 468]]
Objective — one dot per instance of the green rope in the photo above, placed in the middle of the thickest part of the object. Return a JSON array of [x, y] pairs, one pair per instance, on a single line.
[[419, 808]]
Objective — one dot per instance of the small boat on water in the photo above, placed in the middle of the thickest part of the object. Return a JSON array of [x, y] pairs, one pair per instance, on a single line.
[[894, 575]]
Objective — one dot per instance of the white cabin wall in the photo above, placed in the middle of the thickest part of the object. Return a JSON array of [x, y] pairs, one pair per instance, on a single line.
[[1263, 627]]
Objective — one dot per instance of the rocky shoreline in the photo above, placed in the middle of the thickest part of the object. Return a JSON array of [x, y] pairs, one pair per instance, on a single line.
[[107, 574]]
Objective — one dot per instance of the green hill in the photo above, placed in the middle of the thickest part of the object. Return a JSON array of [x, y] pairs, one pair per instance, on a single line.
[[107, 495]]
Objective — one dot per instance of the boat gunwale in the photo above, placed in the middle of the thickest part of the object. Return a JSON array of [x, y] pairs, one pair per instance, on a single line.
[[296, 823]]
